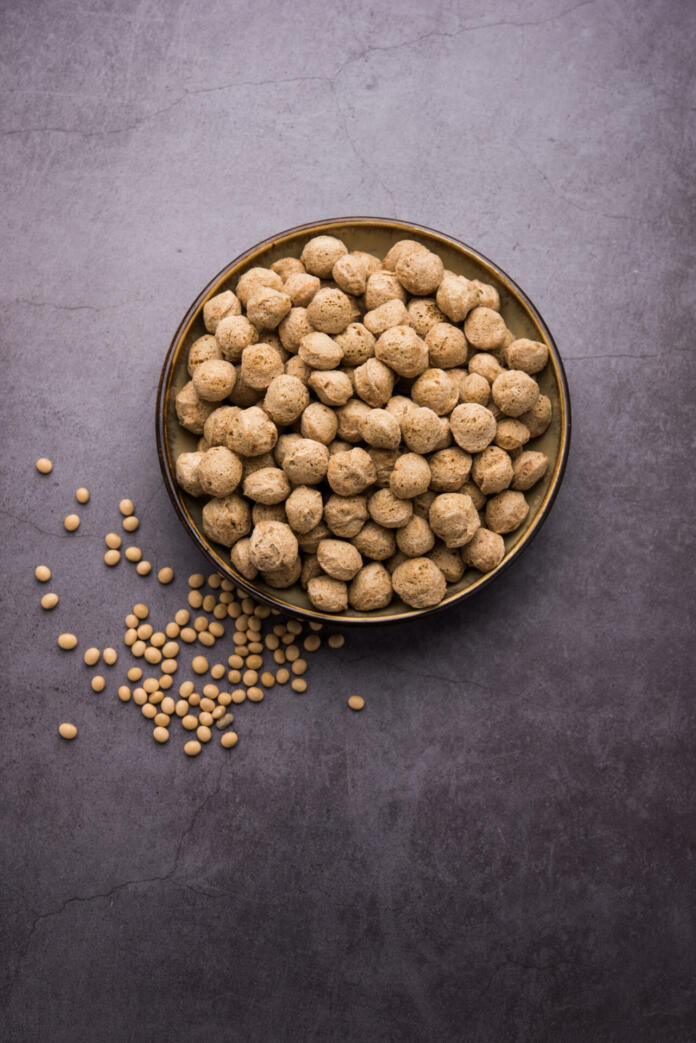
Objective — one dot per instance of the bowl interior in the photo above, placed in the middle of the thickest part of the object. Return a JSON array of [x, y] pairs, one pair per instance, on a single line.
[[377, 237]]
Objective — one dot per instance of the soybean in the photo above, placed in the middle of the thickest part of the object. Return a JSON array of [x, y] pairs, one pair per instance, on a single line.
[[66, 730], [44, 466], [42, 573], [49, 601], [82, 495], [72, 522], [67, 642]]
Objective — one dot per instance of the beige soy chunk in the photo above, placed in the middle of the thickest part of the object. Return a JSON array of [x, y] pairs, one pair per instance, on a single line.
[[44, 465], [410, 477], [219, 471], [370, 589], [446, 345], [420, 272], [72, 522], [301, 287], [506, 511], [382, 286], [529, 468], [219, 307], [321, 253], [419, 583], [423, 314], [484, 551], [350, 274], [435, 389], [67, 730], [320, 351], [380, 429], [530, 356], [538, 418], [286, 266], [254, 279], [456, 296], [403, 351], [454, 518], [330, 311], [485, 329], [327, 594], [286, 399], [389, 510], [390, 314], [339, 559], [492, 470], [357, 343], [351, 472], [515, 392], [473, 426]]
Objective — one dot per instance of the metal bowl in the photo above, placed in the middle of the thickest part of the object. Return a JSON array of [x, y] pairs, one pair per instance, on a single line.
[[376, 235]]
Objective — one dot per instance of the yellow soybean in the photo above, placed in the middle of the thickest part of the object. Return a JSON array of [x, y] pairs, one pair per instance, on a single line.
[[49, 601], [82, 495], [66, 730], [42, 573], [44, 466], [67, 642], [71, 522]]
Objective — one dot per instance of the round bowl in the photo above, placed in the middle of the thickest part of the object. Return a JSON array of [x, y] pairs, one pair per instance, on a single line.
[[376, 235]]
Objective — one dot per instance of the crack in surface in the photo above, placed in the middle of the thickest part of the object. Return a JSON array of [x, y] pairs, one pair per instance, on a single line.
[[561, 195], [329, 80], [48, 532], [83, 899]]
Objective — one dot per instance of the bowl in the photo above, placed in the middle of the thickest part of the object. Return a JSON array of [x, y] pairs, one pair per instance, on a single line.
[[376, 235]]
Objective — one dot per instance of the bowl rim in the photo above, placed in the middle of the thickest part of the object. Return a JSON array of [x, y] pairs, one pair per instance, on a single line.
[[168, 468]]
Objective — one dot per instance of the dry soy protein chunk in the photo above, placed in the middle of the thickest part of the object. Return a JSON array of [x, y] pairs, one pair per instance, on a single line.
[[484, 551], [419, 583], [371, 588]]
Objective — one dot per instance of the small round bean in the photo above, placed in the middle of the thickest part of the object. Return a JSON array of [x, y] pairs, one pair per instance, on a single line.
[[143, 568], [229, 739], [42, 573], [98, 683], [49, 601], [66, 730], [126, 507], [91, 656], [112, 557], [44, 466], [67, 642], [82, 495], [133, 554], [356, 702], [72, 522], [192, 748], [165, 575]]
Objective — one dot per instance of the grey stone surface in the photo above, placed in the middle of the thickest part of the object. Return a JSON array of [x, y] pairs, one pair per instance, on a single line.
[[501, 847]]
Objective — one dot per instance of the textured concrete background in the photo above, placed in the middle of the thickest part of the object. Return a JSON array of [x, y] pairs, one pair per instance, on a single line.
[[501, 847]]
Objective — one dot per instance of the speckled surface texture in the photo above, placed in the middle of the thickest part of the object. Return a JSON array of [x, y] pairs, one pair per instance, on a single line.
[[501, 846]]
